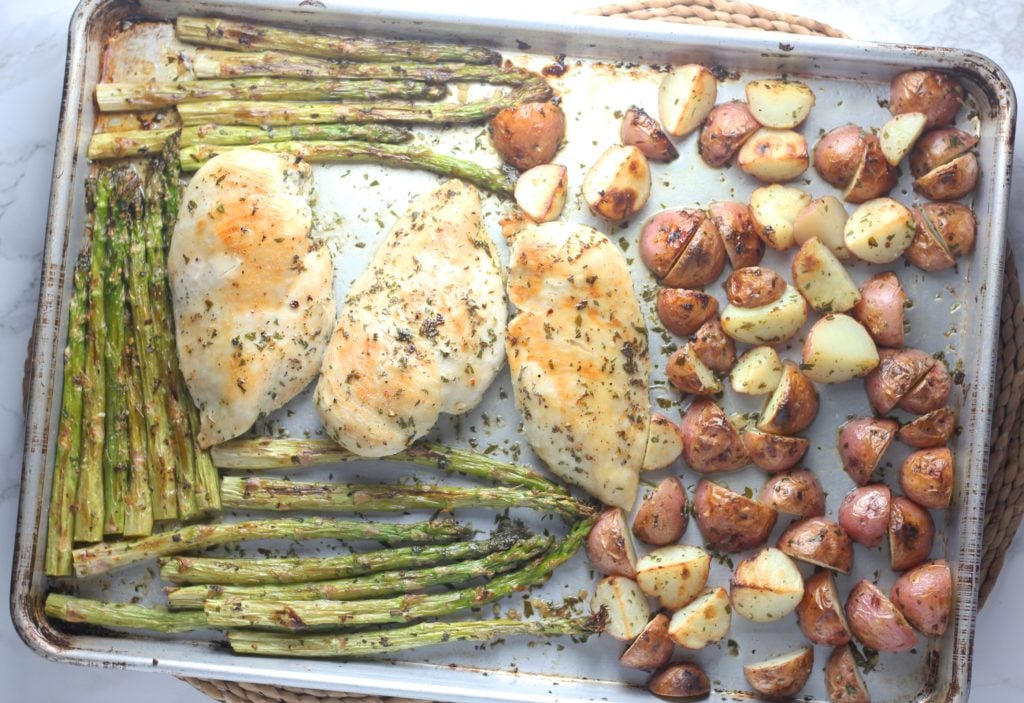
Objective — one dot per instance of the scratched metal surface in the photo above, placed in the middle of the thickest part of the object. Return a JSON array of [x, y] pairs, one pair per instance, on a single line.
[[618, 64]]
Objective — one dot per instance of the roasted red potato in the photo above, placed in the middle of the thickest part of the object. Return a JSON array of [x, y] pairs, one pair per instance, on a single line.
[[683, 680], [618, 185], [911, 534], [864, 514], [687, 372], [925, 597], [714, 347], [753, 286], [729, 521], [938, 147], [874, 177], [701, 261], [773, 452], [932, 429], [727, 126], [661, 518], [683, 311], [843, 681], [937, 95], [742, 245], [665, 236], [610, 545], [880, 308], [898, 372], [795, 492], [931, 392], [793, 405], [926, 476], [820, 542], [664, 445], [652, 648], [876, 622], [783, 676], [643, 131], [820, 612], [942, 232], [862, 443], [528, 134], [950, 181], [838, 154], [711, 444]]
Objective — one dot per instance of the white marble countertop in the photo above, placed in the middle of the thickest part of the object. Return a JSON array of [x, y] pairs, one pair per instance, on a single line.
[[33, 35]]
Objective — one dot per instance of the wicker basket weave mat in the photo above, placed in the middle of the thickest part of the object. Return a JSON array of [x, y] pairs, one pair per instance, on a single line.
[[1005, 502]]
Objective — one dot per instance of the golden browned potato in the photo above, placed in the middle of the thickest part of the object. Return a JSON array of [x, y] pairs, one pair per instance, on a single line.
[[925, 596], [662, 517], [773, 323], [943, 231], [820, 542], [793, 405], [683, 311], [779, 103], [610, 545], [685, 97], [773, 212], [926, 476], [838, 349], [783, 676], [710, 442], [753, 286], [757, 372], [652, 648], [898, 372], [618, 185], [874, 177], [729, 521], [664, 445], [773, 452], [822, 279], [794, 492], [625, 606], [701, 261], [864, 514], [820, 612], [766, 587], [938, 148], [643, 131], [540, 192], [950, 181], [932, 429], [685, 680], [842, 678], [862, 442], [674, 574], [879, 231], [931, 392], [728, 125], [714, 347], [911, 534], [773, 155], [838, 154], [880, 308], [742, 245], [704, 621], [937, 95], [899, 135], [664, 237], [688, 373], [876, 622], [528, 134]]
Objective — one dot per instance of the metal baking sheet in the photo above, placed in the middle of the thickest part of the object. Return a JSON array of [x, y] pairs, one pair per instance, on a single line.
[[611, 65]]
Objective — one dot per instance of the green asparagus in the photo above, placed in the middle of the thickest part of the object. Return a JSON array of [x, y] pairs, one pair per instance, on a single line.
[[121, 615], [224, 135], [107, 556], [138, 508], [116, 145]]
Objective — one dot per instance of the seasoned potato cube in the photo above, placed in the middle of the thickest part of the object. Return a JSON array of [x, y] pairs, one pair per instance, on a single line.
[[879, 231], [704, 621]]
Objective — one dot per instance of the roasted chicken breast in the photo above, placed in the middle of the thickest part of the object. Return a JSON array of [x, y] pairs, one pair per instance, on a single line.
[[252, 291], [577, 351], [421, 330]]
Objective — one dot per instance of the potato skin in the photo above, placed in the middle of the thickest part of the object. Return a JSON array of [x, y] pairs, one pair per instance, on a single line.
[[682, 311], [742, 245], [710, 442], [683, 370], [643, 131], [783, 681], [875, 176], [729, 521], [529, 134], [701, 261], [932, 429], [926, 476], [753, 286], [937, 95], [898, 371], [684, 680], [714, 347], [818, 541], [930, 393], [875, 621], [864, 514], [950, 181], [880, 308], [862, 443], [911, 534], [727, 126], [943, 232], [925, 596], [607, 546], [820, 612], [652, 648], [797, 405], [773, 452], [795, 492], [843, 681], [664, 237], [938, 147], [838, 154], [661, 518]]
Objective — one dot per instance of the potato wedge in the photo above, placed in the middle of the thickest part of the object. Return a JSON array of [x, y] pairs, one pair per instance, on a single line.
[[911, 534], [703, 621], [710, 442], [793, 405], [843, 681], [664, 444], [652, 648], [925, 597], [795, 492], [766, 587], [899, 371], [773, 452], [643, 131], [610, 545], [899, 135], [943, 232], [838, 349], [757, 372], [874, 177], [682, 311], [774, 155], [683, 680], [701, 261], [742, 245], [839, 153], [881, 308], [926, 477], [950, 181], [729, 521], [938, 147], [778, 103], [662, 517], [773, 210], [685, 97], [626, 605], [665, 235], [818, 541], [875, 621], [822, 279], [783, 676], [618, 185], [937, 95], [824, 218], [931, 392], [690, 375], [879, 231], [753, 286], [864, 514], [674, 574], [540, 192], [933, 429], [774, 323], [528, 134], [726, 128], [820, 612], [714, 347], [862, 443]]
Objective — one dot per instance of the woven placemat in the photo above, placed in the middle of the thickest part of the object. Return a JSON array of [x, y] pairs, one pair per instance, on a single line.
[[1006, 489]]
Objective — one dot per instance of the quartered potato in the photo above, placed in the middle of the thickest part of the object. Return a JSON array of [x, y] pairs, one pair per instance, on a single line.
[[662, 517], [766, 587], [838, 349], [540, 192], [618, 185], [931, 392], [899, 135], [626, 605], [774, 155], [795, 492], [950, 181], [753, 286], [864, 514], [711, 444], [682, 311], [933, 429], [939, 147], [818, 541], [792, 406], [876, 622], [726, 128], [703, 621], [690, 375], [820, 612], [926, 476], [874, 176], [879, 231], [610, 544], [686, 96], [822, 278], [839, 153], [529, 134], [714, 347], [925, 597], [664, 444], [911, 534], [824, 218], [683, 680], [742, 245], [842, 678], [776, 322], [773, 452], [881, 308], [937, 95], [652, 648], [783, 676], [675, 574], [729, 521], [943, 232], [899, 371], [862, 443], [773, 210], [778, 103], [757, 372], [701, 260], [643, 131]]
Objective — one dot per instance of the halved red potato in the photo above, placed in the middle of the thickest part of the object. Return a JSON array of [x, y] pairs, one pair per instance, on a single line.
[[610, 544], [822, 279], [643, 131], [820, 542], [674, 574], [742, 245], [793, 405], [838, 349], [757, 372], [685, 97], [773, 210], [898, 372], [843, 681], [950, 181], [683, 680], [794, 492], [711, 444], [839, 153], [528, 134], [938, 147], [773, 323], [881, 308], [714, 347], [943, 231], [703, 621], [662, 517], [933, 429], [925, 596], [875, 621], [618, 185], [862, 443], [540, 192], [753, 286], [899, 135], [820, 612], [864, 514], [938, 95], [652, 648], [683, 311], [689, 374], [911, 534], [664, 444], [824, 218], [727, 126], [779, 104], [729, 521], [665, 236], [874, 176], [766, 587], [931, 392], [625, 604], [773, 155], [879, 231], [926, 476], [701, 261], [773, 452], [783, 676]]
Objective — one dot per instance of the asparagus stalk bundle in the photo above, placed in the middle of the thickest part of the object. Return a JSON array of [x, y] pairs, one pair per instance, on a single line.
[[273, 494], [372, 586], [399, 155], [324, 614], [244, 36], [107, 556], [123, 615]]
